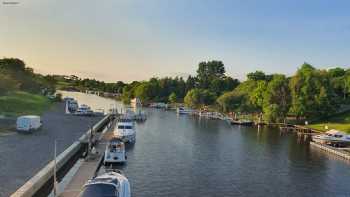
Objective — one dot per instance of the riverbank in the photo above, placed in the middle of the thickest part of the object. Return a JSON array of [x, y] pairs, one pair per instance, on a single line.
[[19, 103], [339, 122], [34, 151]]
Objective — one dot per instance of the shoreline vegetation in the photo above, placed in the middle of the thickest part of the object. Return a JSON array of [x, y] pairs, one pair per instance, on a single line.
[[22, 103], [22, 91], [311, 95]]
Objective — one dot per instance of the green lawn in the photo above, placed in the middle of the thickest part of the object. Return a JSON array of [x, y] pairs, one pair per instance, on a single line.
[[340, 122], [22, 103]]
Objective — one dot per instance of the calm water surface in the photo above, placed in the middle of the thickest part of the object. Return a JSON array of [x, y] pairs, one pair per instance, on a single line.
[[186, 156]]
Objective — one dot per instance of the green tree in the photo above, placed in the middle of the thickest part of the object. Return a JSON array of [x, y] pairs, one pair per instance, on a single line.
[[199, 97], [208, 71], [7, 84], [256, 76], [256, 96], [308, 86], [276, 99], [172, 97]]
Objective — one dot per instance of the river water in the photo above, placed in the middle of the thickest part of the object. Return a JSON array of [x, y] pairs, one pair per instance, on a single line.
[[187, 156]]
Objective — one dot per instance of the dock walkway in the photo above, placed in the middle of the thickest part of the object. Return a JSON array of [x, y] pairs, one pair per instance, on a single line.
[[88, 167]]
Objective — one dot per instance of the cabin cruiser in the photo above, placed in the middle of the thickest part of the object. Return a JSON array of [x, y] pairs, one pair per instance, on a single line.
[[125, 130], [115, 152], [111, 184], [84, 110], [331, 137], [182, 110]]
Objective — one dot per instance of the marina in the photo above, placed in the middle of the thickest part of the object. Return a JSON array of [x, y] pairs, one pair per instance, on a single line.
[[182, 146]]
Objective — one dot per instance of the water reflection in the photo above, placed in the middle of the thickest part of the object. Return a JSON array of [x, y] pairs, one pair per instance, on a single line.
[[188, 156]]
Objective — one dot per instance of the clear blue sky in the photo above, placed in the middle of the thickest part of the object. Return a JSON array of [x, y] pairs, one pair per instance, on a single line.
[[133, 40]]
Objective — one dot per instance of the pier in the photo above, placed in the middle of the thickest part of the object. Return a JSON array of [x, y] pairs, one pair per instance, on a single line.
[[89, 167], [336, 151]]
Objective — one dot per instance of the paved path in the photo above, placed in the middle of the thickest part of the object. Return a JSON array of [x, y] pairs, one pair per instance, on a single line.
[[36, 149], [87, 169]]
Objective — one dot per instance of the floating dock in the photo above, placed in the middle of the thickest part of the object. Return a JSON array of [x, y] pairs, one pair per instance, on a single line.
[[336, 151]]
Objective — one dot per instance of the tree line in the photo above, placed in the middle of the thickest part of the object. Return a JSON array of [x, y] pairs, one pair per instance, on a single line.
[[15, 75], [310, 93]]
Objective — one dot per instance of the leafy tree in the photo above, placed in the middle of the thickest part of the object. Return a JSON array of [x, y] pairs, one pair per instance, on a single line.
[[256, 97], [308, 86], [199, 97], [190, 83], [336, 72], [208, 71], [276, 99], [232, 101], [172, 98], [7, 84], [256, 76]]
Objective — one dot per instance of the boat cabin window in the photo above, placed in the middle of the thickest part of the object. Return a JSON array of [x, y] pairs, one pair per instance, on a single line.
[[124, 127], [99, 190]]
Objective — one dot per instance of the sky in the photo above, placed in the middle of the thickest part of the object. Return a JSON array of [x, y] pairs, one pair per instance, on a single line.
[[128, 40]]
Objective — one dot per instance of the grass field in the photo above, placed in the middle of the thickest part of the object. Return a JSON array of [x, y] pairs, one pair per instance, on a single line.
[[340, 122], [21, 103]]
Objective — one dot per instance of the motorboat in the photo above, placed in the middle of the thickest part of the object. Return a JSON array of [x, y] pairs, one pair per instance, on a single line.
[[243, 122], [332, 137], [84, 110], [125, 130], [115, 152], [183, 110], [111, 184]]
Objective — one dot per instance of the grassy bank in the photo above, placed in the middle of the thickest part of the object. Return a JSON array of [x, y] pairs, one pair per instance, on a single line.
[[21, 103], [340, 122]]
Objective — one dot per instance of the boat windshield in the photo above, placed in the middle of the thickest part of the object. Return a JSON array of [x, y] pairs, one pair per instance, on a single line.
[[99, 190], [124, 127]]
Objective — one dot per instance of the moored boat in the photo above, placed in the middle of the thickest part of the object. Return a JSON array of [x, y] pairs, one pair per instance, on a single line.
[[111, 184], [125, 130], [115, 152], [244, 122], [332, 137], [183, 110]]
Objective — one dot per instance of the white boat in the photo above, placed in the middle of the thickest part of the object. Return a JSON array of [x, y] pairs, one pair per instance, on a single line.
[[111, 184], [125, 130], [84, 110], [72, 105], [332, 136], [28, 123], [183, 110], [136, 102], [115, 152]]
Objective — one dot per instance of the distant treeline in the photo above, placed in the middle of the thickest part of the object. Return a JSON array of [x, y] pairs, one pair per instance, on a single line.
[[310, 93], [15, 75]]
